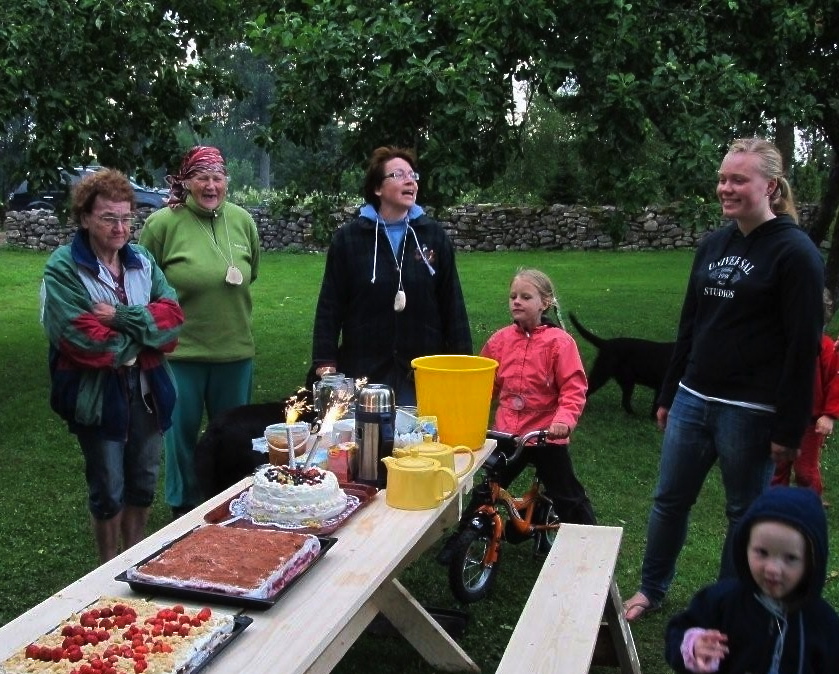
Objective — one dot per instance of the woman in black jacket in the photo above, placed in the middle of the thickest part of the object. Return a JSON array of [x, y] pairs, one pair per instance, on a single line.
[[390, 290]]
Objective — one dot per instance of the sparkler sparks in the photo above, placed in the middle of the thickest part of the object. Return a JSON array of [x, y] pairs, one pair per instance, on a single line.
[[339, 403], [294, 409]]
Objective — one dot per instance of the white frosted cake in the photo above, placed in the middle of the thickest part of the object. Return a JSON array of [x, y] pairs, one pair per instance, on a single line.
[[125, 636], [295, 496]]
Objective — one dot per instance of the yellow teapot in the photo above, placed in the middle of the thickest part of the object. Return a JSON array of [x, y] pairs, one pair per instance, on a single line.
[[441, 452], [417, 482]]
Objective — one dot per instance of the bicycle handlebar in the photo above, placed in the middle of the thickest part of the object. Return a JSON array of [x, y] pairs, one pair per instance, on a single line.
[[519, 440]]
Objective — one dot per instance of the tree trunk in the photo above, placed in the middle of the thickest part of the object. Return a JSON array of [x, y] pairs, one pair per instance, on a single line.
[[264, 169], [821, 225], [785, 142]]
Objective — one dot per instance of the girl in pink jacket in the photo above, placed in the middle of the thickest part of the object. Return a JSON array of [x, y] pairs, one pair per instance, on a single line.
[[540, 383]]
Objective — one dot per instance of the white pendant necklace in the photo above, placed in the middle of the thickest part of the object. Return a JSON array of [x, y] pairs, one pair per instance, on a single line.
[[399, 300], [234, 276]]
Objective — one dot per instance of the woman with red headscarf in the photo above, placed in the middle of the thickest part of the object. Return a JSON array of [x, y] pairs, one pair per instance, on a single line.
[[208, 249]]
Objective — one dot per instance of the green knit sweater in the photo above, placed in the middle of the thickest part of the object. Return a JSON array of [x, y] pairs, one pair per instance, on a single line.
[[194, 248]]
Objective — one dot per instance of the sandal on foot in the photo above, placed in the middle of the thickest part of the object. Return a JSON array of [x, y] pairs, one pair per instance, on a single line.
[[637, 606]]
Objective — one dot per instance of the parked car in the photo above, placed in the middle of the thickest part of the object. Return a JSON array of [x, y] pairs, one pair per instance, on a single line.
[[53, 197]]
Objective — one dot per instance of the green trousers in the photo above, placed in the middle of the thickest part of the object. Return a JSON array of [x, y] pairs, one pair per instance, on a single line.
[[202, 386]]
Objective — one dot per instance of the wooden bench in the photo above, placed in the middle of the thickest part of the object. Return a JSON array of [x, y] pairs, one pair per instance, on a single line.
[[573, 602]]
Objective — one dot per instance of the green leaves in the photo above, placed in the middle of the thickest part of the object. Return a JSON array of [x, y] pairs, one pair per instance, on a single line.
[[434, 76], [93, 77]]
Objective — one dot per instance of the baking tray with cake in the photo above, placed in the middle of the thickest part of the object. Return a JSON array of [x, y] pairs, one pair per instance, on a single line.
[[212, 563], [182, 647], [234, 511]]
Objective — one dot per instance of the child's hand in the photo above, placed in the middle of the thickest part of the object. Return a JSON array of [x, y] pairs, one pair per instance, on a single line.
[[560, 431], [824, 425], [709, 649]]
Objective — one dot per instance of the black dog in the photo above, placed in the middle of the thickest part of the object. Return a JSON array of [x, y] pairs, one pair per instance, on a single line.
[[629, 361], [224, 454]]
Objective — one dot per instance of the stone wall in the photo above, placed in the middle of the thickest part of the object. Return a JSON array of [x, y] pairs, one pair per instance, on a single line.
[[471, 228]]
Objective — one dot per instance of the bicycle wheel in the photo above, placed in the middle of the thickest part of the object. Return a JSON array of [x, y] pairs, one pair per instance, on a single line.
[[543, 540], [469, 578]]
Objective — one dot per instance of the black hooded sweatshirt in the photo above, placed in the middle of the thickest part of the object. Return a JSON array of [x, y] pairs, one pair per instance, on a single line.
[[751, 323], [811, 641]]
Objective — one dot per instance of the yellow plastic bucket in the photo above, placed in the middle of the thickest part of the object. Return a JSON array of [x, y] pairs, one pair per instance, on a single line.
[[458, 391]]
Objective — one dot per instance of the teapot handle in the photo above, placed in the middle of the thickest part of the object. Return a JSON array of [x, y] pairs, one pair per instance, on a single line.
[[463, 449], [447, 474]]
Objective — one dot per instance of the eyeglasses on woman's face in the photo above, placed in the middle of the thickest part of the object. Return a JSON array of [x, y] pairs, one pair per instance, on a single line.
[[404, 176], [113, 220]]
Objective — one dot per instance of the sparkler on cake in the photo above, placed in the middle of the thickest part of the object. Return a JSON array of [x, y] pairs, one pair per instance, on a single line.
[[339, 402]]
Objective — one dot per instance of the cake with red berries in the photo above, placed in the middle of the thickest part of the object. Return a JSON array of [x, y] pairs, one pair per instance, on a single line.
[[255, 563], [292, 497], [123, 636]]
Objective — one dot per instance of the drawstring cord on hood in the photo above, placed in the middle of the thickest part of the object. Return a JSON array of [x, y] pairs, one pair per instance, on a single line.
[[776, 609], [431, 269]]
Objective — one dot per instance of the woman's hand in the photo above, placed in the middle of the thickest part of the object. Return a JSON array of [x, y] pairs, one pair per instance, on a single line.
[[559, 431], [661, 417], [104, 312]]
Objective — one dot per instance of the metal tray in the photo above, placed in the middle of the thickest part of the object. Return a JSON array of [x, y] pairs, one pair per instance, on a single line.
[[240, 622], [148, 587], [359, 495]]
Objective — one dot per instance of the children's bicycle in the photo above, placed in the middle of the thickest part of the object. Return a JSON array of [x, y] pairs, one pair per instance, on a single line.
[[498, 515]]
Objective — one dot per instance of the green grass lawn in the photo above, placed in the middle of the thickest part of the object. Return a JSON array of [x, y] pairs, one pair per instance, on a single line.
[[44, 532]]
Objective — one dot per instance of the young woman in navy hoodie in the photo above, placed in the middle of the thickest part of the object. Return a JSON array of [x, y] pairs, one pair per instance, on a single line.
[[739, 389], [771, 618]]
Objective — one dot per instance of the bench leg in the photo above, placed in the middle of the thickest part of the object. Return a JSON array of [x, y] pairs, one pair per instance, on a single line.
[[620, 632]]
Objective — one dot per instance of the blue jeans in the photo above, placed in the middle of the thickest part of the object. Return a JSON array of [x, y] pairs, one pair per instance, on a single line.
[[698, 434], [123, 473]]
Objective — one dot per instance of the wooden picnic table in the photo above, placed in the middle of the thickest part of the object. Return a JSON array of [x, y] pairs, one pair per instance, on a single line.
[[318, 619]]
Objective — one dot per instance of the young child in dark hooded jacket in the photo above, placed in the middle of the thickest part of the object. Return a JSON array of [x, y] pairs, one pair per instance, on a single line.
[[771, 619]]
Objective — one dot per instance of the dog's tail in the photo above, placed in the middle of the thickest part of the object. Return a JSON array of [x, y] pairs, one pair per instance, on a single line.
[[588, 336]]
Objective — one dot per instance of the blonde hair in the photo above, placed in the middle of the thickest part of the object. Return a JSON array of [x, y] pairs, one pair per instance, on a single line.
[[771, 166], [544, 286]]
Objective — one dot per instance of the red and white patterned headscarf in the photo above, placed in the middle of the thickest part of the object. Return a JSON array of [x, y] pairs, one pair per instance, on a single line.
[[199, 158]]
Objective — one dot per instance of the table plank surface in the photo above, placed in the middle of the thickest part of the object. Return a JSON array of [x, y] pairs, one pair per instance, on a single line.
[[332, 603]]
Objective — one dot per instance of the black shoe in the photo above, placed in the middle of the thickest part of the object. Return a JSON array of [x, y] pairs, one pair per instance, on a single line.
[[444, 557]]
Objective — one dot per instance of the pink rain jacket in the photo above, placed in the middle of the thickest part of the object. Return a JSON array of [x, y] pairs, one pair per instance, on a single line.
[[540, 378]]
